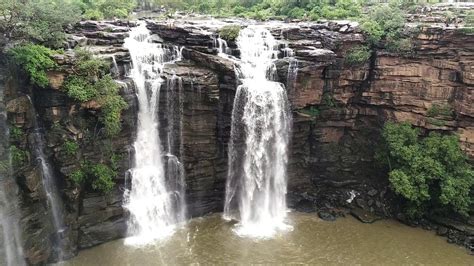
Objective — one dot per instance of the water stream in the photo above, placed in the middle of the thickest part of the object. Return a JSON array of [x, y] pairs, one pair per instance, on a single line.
[[55, 204], [261, 120], [155, 200], [11, 251]]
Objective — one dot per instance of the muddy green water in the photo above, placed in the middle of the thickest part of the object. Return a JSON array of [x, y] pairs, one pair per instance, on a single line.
[[210, 240]]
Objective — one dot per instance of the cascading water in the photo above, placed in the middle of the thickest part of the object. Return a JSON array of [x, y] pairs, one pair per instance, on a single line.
[[11, 251], [49, 185], [256, 182], [221, 46], [155, 200]]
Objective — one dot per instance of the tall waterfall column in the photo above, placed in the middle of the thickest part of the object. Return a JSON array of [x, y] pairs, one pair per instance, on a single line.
[[155, 200], [256, 182], [11, 250]]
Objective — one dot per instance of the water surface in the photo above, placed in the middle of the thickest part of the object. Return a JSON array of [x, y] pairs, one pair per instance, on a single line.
[[210, 240]]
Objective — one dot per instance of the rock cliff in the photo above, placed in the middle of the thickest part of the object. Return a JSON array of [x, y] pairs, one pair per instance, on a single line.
[[338, 111]]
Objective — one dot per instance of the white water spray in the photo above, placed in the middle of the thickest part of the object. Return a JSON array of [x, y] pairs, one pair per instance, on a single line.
[[256, 182], [221, 45], [156, 197], [11, 251]]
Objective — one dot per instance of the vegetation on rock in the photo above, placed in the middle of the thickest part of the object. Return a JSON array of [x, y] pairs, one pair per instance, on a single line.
[[18, 156], [444, 110], [70, 147], [91, 82], [386, 22], [431, 173], [100, 176], [229, 32], [35, 60], [357, 55]]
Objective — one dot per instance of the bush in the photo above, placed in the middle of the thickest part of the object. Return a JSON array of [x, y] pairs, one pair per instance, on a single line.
[[386, 22], [107, 9], [35, 60], [16, 133], [440, 110], [296, 12], [112, 105], [432, 174], [372, 30], [19, 156], [103, 177], [78, 177], [229, 32], [70, 147], [40, 21], [99, 176], [357, 55], [91, 82]]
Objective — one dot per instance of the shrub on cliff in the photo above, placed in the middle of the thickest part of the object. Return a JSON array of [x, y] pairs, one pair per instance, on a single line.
[[229, 32], [430, 173], [91, 81], [386, 22], [357, 55], [99, 176], [35, 60]]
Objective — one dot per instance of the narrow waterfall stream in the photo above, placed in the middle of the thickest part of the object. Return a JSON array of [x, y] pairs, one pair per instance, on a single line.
[[256, 182], [11, 251], [54, 201], [155, 200]]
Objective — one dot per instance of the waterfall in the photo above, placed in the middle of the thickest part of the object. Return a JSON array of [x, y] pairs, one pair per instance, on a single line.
[[221, 46], [155, 200], [38, 144], [11, 251], [261, 119]]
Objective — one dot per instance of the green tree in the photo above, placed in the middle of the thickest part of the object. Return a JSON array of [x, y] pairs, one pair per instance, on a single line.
[[432, 173], [35, 60], [41, 21]]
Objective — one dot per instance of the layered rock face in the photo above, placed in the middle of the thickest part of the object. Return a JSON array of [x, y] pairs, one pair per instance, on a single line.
[[338, 112]]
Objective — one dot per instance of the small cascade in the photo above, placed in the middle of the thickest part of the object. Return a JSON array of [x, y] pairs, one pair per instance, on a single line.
[[175, 170], [54, 201], [292, 73], [221, 45], [115, 69], [155, 200], [11, 251], [48, 179], [261, 119]]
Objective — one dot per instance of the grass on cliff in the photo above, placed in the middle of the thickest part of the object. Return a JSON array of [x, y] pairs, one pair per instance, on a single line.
[[430, 173]]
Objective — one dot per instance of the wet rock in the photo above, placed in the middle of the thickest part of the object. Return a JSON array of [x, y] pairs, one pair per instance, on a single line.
[[361, 203], [364, 216], [372, 192], [326, 216], [442, 231]]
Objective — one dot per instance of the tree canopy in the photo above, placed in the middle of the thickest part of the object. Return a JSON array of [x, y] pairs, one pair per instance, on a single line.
[[431, 173]]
